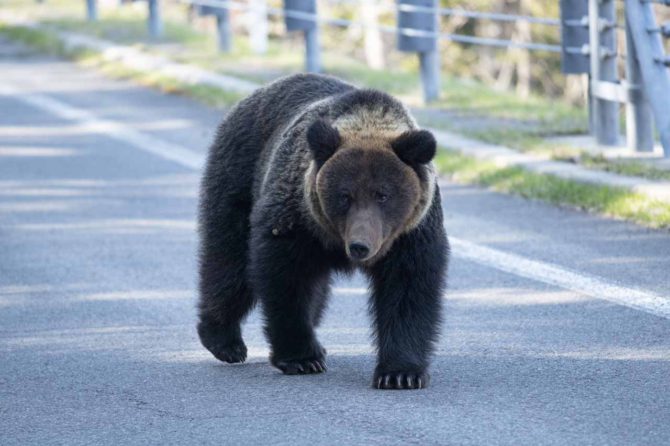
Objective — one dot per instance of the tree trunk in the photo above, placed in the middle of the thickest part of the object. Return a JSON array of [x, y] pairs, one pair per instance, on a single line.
[[374, 47]]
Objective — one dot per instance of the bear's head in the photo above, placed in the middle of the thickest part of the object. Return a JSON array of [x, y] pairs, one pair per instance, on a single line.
[[370, 193]]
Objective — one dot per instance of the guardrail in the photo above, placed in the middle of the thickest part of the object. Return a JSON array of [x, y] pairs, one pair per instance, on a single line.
[[588, 46], [652, 62], [589, 39], [417, 29]]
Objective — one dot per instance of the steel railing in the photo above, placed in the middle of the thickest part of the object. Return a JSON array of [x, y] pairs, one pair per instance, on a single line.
[[588, 45]]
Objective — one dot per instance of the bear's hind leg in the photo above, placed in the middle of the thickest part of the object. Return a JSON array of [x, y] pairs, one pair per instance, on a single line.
[[225, 297]]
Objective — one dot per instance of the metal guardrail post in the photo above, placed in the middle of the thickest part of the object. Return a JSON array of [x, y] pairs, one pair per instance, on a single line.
[[429, 62], [424, 42], [574, 37], [91, 10], [310, 28], [602, 37], [650, 55], [575, 44], [258, 26], [590, 100], [154, 20], [223, 30], [639, 131], [312, 50]]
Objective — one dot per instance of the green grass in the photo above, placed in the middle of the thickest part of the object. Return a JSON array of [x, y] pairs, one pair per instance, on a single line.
[[127, 24], [624, 167], [551, 115], [40, 40], [560, 151], [128, 30], [285, 56], [212, 96], [525, 141], [604, 200], [535, 143], [44, 41], [609, 201]]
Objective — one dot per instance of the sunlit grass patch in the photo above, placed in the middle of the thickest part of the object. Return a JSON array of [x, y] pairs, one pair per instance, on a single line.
[[212, 96], [565, 152], [183, 42], [534, 142], [550, 116], [624, 167], [605, 200], [128, 30], [611, 201], [45, 41], [40, 40]]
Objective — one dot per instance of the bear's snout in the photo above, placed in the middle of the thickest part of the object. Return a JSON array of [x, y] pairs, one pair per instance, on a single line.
[[364, 234], [358, 250]]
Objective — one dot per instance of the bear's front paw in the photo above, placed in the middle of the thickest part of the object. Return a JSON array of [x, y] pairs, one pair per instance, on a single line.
[[231, 353], [301, 366], [224, 343], [401, 380]]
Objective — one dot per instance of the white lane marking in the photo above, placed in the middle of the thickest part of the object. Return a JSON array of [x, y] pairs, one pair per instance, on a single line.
[[510, 263], [561, 277], [111, 129]]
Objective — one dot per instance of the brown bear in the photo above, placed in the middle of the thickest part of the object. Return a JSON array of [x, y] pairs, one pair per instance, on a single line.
[[308, 176]]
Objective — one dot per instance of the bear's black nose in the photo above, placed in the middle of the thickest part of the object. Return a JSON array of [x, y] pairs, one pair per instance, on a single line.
[[358, 250]]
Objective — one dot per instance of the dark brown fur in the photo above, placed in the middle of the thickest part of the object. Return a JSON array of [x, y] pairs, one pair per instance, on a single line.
[[274, 225], [380, 192]]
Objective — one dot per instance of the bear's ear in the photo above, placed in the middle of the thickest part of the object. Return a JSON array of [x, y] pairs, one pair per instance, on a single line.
[[415, 147], [323, 140]]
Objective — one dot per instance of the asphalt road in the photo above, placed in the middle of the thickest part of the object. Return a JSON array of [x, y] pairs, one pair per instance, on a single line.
[[98, 189]]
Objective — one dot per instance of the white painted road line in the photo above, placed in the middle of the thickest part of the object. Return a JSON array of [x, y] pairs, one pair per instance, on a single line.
[[510, 263], [561, 277], [111, 129]]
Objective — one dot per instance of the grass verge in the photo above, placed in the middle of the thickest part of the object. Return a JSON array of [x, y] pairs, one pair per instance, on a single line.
[[534, 143], [45, 42], [605, 200], [194, 43], [623, 167]]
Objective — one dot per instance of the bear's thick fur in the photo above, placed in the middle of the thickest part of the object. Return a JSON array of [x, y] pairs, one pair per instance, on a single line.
[[307, 176]]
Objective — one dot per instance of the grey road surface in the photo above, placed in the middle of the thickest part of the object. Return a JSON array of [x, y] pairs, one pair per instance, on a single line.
[[97, 302]]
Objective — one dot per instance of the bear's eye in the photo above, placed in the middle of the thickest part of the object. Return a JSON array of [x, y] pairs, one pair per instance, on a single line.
[[344, 199], [381, 197]]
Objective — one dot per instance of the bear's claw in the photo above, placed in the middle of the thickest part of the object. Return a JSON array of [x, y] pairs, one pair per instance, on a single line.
[[401, 380], [301, 366], [232, 353]]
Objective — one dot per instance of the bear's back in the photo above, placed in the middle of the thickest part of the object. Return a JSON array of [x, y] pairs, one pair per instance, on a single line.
[[243, 140]]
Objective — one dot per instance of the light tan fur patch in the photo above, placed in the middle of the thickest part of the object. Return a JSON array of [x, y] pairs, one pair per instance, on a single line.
[[371, 127]]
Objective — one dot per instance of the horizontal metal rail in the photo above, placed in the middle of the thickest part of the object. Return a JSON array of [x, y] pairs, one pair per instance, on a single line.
[[459, 38], [494, 16], [459, 12]]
